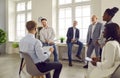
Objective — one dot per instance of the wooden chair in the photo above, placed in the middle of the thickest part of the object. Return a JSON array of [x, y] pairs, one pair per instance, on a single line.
[[31, 68]]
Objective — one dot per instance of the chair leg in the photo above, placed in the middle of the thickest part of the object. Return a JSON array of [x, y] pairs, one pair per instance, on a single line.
[[38, 76], [21, 65], [42, 76], [32, 77]]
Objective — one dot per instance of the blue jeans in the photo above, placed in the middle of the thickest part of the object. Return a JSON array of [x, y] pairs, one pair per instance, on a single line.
[[54, 52], [80, 44]]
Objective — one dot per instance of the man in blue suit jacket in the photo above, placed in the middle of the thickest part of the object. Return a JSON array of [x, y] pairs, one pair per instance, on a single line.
[[73, 38]]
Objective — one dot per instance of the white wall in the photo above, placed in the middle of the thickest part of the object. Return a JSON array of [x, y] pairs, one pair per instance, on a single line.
[[2, 14], [11, 19], [2, 21], [96, 8], [42, 8]]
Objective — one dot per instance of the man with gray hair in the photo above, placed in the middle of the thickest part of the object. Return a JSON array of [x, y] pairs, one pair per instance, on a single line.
[[94, 31]]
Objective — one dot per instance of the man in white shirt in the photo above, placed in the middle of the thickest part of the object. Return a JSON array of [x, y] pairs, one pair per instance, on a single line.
[[47, 36], [33, 47], [73, 38]]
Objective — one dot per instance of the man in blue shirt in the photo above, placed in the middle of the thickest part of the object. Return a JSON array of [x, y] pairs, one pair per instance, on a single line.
[[39, 55]]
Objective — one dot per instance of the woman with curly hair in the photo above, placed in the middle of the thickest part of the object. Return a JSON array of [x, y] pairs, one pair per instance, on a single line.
[[110, 54]]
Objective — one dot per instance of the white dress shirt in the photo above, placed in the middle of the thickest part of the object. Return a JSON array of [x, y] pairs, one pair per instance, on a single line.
[[47, 34], [29, 44], [93, 28], [74, 32]]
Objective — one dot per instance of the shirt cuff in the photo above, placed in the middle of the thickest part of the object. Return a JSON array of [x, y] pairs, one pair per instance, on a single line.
[[48, 53]]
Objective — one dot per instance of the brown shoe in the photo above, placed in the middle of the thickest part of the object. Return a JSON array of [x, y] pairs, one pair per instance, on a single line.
[[78, 57], [70, 64]]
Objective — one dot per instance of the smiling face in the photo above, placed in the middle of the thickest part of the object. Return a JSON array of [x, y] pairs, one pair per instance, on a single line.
[[94, 19], [106, 17], [44, 23], [75, 23]]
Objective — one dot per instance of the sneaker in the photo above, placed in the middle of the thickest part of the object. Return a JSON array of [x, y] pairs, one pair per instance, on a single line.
[[86, 66]]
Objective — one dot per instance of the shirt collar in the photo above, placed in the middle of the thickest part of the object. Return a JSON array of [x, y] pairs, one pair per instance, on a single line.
[[74, 27], [45, 27], [109, 22], [32, 35], [95, 23]]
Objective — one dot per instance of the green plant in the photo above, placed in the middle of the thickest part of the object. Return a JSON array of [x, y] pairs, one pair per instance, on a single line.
[[15, 45], [62, 39], [3, 36]]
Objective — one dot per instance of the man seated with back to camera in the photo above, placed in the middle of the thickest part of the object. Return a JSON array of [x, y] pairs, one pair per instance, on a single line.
[[39, 55]]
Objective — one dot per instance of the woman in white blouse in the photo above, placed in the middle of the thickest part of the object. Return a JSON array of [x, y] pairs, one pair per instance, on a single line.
[[110, 55]]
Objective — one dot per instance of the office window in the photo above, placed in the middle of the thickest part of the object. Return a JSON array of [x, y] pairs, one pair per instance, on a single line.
[[21, 6], [81, 0], [65, 19], [82, 15], [61, 2], [23, 14], [67, 13]]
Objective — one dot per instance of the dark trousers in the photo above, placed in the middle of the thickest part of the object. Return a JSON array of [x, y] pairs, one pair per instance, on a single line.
[[100, 53], [47, 66]]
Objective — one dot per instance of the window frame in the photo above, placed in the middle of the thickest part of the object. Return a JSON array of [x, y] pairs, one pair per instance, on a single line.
[[26, 11], [73, 5]]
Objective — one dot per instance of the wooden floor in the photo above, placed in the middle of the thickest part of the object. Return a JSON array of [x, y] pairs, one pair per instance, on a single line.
[[9, 67]]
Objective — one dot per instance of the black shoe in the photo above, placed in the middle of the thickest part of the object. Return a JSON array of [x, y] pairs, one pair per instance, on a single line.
[[86, 66], [78, 57], [70, 64]]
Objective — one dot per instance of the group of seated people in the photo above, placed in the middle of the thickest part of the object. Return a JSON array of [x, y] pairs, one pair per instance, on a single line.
[[97, 68]]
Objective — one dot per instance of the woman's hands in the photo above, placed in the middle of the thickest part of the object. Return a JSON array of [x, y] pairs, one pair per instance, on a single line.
[[95, 60]]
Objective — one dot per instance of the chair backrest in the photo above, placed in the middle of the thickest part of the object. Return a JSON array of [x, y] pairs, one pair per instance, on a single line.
[[37, 35], [30, 66], [116, 73]]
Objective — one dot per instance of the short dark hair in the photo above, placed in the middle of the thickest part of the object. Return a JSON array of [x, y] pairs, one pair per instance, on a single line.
[[43, 19], [30, 25], [112, 31]]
